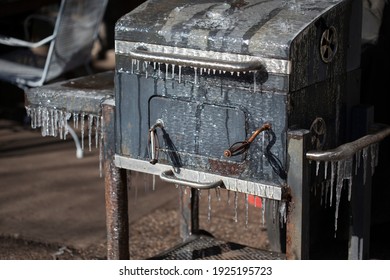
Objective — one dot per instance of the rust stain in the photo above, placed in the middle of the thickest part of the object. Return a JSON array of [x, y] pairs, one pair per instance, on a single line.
[[226, 168]]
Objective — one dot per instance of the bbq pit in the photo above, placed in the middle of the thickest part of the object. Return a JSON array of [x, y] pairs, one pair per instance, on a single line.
[[254, 97], [214, 94]]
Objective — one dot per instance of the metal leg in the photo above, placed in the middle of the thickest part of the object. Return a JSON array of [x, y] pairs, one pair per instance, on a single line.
[[116, 194], [297, 228], [189, 212]]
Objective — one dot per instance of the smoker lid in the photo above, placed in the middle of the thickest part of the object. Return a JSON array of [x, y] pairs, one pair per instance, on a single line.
[[250, 27]]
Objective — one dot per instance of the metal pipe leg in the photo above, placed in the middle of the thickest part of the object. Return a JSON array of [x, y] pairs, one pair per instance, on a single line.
[[117, 222], [297, 228]]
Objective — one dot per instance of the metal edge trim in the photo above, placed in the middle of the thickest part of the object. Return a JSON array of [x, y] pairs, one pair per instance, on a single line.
[[268, 191], [272, 65]]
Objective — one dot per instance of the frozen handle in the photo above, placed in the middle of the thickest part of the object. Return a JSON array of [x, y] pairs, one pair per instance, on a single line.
[[170, 177], [199, 62], [153, 142], [349, 149]]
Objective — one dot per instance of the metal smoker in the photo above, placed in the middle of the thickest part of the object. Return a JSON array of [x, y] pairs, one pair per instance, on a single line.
[[257, 97]]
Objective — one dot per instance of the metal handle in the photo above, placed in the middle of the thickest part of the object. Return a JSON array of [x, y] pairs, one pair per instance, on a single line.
[[349, 149], [170, 177], [153, 141], [199, 62], [241, 147]]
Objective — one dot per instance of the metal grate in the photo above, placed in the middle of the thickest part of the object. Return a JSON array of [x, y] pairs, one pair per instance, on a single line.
[[208, 248]]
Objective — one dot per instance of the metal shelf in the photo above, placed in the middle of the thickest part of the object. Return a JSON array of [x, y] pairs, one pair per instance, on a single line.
[[202, 247]]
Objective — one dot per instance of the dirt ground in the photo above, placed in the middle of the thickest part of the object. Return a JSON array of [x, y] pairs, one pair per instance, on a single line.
[[52, 204]]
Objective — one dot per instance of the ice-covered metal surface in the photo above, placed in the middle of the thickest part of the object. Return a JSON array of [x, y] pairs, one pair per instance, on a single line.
[[83, 94], [259, 28], [290, 44], [51, 107], [185, 64], [268, 191]]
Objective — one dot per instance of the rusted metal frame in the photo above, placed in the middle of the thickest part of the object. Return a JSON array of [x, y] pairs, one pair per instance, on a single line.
[[117, 222], [298, 220]]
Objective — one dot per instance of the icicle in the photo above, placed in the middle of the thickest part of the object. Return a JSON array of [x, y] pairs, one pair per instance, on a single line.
[[62, 125], [209, 205], [39, 117], [332, 179], [132, 66], [51, 122], [153, 182], [76, 120], [326, 169], [228, 197], [64, 122], [349, 189], [90, 125], [263, 202], [218, 194], [236, 207], [365, 155], [146, 69], [166, 71], [82, 130], [179, 74], [246, 210], [97, 130], [357, 157], [273, 210], [254, 82], [373, 159], [317, 167], [339, 186], [43, 127], [282, 213], [173, 71], [54, 123], [348, 175], [376, 154], [30, 113], [196, 75]]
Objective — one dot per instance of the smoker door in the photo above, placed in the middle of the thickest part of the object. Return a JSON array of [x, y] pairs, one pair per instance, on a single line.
[[197, 123], [192, 130]]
